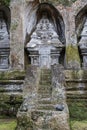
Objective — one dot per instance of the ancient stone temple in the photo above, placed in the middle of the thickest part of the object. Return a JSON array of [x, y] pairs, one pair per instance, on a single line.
[[43, 62]]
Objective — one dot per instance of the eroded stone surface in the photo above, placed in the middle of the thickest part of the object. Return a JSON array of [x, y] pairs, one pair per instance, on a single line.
[[39, 106], [44, 46], [4, 43]]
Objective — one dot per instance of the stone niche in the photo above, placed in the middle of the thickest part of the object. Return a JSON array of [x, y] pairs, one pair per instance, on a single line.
[[81, 30], [44, 46], [83, 45], [46, 43], [4, 41]]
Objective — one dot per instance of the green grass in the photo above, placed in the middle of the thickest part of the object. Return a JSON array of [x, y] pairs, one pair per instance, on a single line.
[[8, 124], [78, 110], [78, 125], [78, 115]]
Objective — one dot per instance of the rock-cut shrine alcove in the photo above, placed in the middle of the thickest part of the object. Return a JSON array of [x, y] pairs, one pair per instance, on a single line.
[[47, 41], [81, 29], [4, 37]]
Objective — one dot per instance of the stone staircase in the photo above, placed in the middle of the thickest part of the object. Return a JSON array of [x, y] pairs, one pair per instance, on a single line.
[[45, 91]]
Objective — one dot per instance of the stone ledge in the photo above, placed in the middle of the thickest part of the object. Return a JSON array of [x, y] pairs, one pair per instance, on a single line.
[[76, 75], [12, 75]]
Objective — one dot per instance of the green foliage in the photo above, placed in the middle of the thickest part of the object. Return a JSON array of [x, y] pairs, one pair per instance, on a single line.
[[5, 2]]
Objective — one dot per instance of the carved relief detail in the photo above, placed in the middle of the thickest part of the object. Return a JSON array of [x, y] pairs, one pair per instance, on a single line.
[[4, 43], [83, 45], [45, 42]]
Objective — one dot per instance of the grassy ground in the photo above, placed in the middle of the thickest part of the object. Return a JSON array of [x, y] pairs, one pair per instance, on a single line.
[[78, 125], [10, 124], [7, 124], [78, 115]]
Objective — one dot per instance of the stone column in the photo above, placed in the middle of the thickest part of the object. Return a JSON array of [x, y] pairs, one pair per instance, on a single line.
[[72, 53], [17, 43]]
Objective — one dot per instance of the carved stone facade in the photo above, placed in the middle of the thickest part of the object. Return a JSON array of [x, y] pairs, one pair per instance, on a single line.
[[42, 35], [83, 45], [4, 43], [44, 46]]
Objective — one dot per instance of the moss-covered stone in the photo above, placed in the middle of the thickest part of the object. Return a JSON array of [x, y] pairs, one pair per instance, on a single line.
[[12, 75], [72, 53], [9, 104], [25, 123], [75, 74], [72, 56]]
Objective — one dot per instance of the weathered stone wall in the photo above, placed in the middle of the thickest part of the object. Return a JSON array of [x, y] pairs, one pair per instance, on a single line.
[[23, 22], [11, 88], [16, 35], [76, 89]]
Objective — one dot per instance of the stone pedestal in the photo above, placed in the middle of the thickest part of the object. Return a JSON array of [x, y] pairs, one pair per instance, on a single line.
[[4, 57], [84, 54]]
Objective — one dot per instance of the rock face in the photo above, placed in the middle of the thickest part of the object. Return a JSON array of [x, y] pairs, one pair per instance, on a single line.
[[37, 36], [45, 105]]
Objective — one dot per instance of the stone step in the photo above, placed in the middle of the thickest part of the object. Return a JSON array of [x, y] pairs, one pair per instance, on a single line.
[[44, 95], [45, 76], [46, 71], [77, 96], [79, 92], [45, 107], [44, 86], [77, 100], [41, 112], [44, 82], [45, 101], [75, 88], [45, 92], [45, 89]]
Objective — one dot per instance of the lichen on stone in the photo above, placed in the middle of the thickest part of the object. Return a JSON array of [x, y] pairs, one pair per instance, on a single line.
[[8, 75], [72, 56]]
